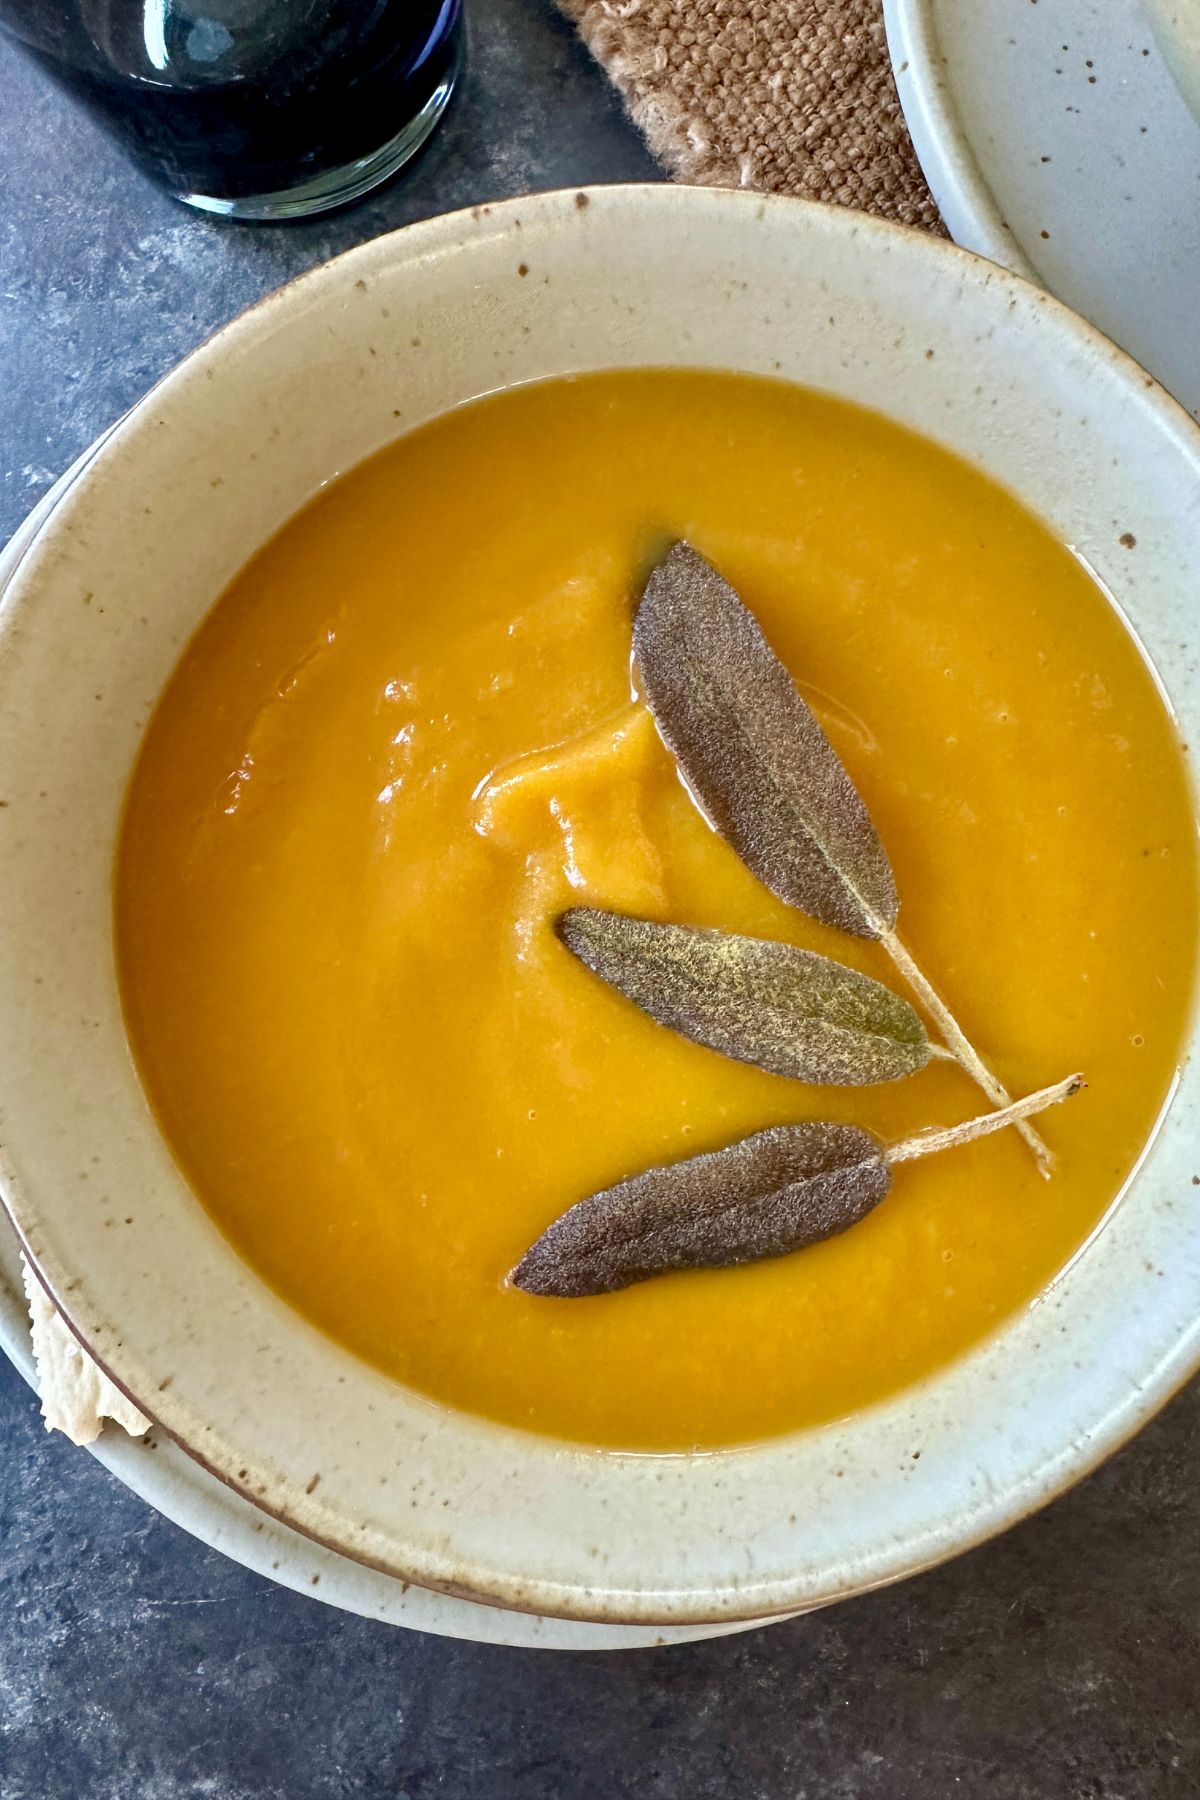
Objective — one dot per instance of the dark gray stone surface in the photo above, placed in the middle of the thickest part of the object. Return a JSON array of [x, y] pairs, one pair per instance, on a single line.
[[1059, 1663], [1062, 1662]]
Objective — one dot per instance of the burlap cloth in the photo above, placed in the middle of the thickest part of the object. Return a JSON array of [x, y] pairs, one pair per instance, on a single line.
[[788, 96]]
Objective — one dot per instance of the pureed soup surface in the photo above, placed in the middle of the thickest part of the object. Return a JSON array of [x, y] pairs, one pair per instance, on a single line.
[[403, 742]]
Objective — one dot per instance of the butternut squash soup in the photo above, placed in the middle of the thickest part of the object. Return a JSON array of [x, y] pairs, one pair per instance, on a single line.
[[406, 741]]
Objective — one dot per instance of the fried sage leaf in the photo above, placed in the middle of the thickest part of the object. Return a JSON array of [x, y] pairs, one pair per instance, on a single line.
[[765, 1196], [769, 1194], [784, 1009], [753, 752]]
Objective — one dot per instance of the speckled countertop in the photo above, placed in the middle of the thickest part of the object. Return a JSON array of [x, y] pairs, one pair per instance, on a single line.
[[1061, 1662]]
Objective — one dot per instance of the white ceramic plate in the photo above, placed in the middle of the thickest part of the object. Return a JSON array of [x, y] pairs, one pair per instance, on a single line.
[[175, 1484], [1056, 143]]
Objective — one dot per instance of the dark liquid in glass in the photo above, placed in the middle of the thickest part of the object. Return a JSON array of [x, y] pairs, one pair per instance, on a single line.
[[231, 99]]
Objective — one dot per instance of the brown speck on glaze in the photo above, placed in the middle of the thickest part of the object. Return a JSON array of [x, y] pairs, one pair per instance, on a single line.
[[165, 1383], [1127, 539], [315, 1580], [522, 268], [1045, 234], [311, 1486], [361, 285], [929, 356], [582, 200], [415, 342]]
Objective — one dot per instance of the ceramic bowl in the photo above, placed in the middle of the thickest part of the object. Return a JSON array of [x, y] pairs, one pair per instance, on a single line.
[[209, 465], [1176, 25]]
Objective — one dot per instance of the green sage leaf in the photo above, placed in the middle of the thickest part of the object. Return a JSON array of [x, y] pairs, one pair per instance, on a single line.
[[753, 752], [786, 1010]]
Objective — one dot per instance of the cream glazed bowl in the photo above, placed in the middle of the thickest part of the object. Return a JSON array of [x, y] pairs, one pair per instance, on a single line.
[[217, 457]]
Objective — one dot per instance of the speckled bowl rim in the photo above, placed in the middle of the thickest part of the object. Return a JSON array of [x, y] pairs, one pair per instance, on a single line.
[[959, 186], [1163, 1359]]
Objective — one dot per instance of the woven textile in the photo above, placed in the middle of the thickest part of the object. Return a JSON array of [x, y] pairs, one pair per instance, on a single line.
[[787, 96]]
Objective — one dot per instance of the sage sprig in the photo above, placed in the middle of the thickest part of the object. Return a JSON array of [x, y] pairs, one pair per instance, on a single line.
[[768, 1195], [786, 1010], [759, 764]]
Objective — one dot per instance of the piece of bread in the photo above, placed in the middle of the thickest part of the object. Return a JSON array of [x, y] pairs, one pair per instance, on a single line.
[[76, 1395]]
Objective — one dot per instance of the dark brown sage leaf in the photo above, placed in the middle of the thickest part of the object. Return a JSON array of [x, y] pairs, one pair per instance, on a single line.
[[786, 1010], [765, 1196], [769, 1194], [753, 752]]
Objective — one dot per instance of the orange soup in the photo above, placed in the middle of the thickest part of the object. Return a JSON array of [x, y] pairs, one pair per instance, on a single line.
[[404, 742]]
